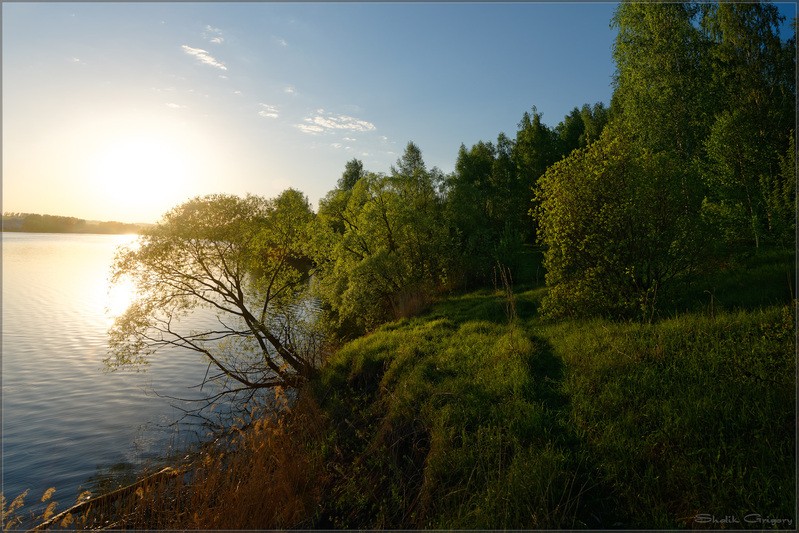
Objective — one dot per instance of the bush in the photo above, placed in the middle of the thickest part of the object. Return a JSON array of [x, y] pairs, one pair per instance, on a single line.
[[621, 228]]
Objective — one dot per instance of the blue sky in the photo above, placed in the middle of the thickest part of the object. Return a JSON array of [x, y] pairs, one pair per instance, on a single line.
[[121, 111]]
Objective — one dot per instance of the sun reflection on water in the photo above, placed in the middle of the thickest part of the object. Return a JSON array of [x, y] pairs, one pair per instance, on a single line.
[[121, 294]]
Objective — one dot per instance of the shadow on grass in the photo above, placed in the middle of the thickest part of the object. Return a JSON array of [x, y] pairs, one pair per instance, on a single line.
[[486, 305], [588, 502], [746, 282]]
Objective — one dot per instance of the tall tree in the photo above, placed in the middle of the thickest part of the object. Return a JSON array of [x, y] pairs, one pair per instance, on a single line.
[[244, 259], [381, 247], [535, 149], [753, 79], [581, 127], [661, 81], [353, 171], [780, 197]]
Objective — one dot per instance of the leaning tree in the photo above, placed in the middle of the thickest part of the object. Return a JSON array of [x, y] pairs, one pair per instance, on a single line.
[[242, 261]]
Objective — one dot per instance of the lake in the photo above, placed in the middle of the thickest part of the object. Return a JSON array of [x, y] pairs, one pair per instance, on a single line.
[[67, 422]]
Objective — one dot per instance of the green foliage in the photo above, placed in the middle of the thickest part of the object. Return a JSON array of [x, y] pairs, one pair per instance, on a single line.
[[620, 227], [486, 207], [581, 127], [661, 83], [536, 147], [353, 171], [381, 247], [753, 78], [245, 259], [489, 196], [779, 193]]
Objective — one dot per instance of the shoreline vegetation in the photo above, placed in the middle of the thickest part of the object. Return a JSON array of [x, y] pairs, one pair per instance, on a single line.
[[586, 326], [478, 412], [36, 223]]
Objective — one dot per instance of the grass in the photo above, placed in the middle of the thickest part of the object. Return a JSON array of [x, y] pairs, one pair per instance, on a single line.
[[691, 415], [481, 414]]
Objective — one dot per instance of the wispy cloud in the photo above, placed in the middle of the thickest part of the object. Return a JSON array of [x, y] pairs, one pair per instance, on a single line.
[[204, 57], [323, 121], [280, 41], [214, 35], [339, 146], [268, 111], [310, 128], [173, 105], [289, 89]]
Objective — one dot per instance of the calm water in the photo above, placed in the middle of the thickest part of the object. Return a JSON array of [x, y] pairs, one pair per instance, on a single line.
[[65, 419]]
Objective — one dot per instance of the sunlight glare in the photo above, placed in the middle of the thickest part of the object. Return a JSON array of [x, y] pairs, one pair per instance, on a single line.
[[122, 294], [139, 172]]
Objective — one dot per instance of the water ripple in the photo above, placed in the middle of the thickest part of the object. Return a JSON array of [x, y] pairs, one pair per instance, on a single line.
[[66, 419]]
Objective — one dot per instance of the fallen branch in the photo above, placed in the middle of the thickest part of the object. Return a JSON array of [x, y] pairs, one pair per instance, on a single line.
[[165, 473]]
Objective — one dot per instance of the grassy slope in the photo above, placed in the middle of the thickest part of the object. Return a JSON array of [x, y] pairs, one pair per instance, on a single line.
[[481, 414], [468, 418]]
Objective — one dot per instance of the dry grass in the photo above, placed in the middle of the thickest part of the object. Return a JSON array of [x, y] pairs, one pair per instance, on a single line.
[[270, 481], [268, 476]]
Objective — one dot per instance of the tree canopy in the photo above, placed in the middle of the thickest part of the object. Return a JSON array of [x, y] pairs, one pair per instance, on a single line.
[[243, 259], [380, 246]]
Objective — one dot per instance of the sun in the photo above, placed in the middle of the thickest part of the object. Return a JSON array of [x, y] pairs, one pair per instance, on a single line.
[[139, 174]]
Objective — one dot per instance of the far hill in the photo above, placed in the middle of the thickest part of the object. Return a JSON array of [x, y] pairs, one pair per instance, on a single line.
[[35, 223]]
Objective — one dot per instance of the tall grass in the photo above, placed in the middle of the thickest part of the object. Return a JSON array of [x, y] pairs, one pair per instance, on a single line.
[[265, 477]]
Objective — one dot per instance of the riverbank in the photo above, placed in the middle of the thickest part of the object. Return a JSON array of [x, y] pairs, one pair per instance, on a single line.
[[35, 223], [482, 414]]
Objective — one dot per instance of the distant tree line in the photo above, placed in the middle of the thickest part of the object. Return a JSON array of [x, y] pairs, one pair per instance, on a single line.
[[35, 223], [692, 163]]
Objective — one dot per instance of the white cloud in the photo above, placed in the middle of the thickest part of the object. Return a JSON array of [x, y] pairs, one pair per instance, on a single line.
[[203, 57], [310, 128], [237, 93], [214, 35], [173, 105], [324, 122], [268, 111], [289, 89], [280, 41], [349, 139]]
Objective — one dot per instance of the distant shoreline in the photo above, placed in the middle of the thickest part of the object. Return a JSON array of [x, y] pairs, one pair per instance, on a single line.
[[87, 232], [36, 223]]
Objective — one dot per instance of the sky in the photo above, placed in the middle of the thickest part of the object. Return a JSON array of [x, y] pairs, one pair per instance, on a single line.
[[120, 111]]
